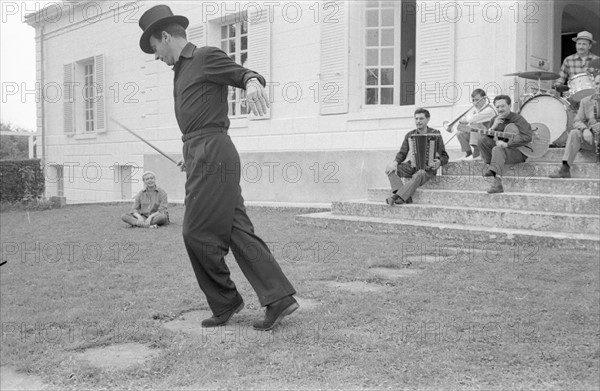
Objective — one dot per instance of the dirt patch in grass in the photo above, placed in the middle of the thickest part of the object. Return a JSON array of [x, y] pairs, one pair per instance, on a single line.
[[356, 286], [394, 274], [239, 328], [15, 381], [307, 304], [189, 322], [118, 357]]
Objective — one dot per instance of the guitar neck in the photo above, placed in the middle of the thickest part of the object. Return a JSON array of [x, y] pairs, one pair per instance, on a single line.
[[493, 133]]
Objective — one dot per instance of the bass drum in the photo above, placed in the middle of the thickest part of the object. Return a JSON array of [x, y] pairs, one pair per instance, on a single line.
[[556, 113]]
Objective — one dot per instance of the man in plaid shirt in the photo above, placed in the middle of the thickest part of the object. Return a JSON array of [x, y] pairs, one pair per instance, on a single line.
[[579, 62], [573, 65]]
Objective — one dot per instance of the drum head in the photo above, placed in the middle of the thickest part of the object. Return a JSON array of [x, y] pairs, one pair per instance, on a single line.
[[547, 110]]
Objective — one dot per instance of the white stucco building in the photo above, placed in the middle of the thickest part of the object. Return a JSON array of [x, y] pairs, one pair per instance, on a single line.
[[344, 79]]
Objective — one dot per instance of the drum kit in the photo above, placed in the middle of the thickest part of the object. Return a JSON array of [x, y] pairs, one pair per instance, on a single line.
[[547, 106]]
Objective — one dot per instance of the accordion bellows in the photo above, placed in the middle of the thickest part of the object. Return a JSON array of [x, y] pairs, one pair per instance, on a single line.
[[422, 150]]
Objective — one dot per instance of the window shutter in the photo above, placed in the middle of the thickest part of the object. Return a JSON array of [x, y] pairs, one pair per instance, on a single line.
[[100, 95], [196, 35], [259, 50], [68, 101], [333, 84], [435, 55]]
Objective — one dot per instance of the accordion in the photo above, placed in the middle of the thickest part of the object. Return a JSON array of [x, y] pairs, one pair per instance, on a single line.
[[422, 150]]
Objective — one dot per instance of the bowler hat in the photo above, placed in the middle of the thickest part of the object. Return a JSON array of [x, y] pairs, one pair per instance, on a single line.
[[584, 35], [156, 17]]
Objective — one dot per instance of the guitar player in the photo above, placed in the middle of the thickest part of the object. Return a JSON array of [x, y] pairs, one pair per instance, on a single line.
[[497, 152]]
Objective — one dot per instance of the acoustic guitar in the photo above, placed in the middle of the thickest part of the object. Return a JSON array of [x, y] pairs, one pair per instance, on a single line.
[[540, 139]]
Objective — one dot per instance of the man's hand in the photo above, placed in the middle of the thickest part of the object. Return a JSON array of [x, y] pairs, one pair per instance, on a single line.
[[501, 144], [256, 97], [181, 165], [588, 136], [436, 164], [392, 167], [499, 120]]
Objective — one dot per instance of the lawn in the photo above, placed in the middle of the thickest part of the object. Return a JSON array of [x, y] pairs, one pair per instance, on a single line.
[[378, 311]]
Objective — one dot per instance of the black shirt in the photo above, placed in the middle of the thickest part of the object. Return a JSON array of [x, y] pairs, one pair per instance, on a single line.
[[200, 87], [525, 132]]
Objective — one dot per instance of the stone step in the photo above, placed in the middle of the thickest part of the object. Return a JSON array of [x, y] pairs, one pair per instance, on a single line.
[[434, 231], [525, 170], [485, 217], [573, 186], [556, 154], [587, 205]]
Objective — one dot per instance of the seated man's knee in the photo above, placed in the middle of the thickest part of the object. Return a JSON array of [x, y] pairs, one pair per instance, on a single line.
[[498, 151], [160, 219], [575, 133], [421, 174]]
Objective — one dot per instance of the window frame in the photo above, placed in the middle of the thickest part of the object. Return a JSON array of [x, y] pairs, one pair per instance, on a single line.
[[396, 60], [235, 96]]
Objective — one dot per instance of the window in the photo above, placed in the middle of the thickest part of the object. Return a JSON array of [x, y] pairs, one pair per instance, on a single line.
[[381, 48], [234, 42], [84, 112], [89, 94]]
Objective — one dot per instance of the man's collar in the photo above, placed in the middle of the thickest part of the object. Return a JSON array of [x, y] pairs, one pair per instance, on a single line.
[[584, 57], [186, 52], [427, 129]]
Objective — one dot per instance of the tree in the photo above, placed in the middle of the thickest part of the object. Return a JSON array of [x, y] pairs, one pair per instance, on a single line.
[[13, 147]]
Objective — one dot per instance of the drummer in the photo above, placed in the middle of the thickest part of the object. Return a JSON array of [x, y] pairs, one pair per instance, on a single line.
[[579, 62]]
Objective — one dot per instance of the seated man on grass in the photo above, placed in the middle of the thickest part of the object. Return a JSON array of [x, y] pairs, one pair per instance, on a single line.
[[149, 206]]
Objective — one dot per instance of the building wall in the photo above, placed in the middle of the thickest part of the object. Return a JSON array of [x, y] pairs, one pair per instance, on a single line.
[[351, 147]]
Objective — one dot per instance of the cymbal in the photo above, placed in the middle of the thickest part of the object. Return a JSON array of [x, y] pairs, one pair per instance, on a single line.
[[595, 63], [539, 75]]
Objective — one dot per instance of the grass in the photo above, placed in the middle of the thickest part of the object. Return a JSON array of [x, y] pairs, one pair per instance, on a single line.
[[76, 278]]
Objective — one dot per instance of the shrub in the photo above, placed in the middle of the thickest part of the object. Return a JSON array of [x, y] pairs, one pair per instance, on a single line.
[[21, 180]]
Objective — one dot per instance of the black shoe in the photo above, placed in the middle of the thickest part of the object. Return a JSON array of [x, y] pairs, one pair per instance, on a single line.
[[489, 173], [220, 320], [552, 145], [276, 312], [563, 172], [409, 200], [394, 199], [496, 187]]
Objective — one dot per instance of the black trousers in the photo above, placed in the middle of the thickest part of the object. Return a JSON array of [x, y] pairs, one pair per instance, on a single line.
[[215, 220]]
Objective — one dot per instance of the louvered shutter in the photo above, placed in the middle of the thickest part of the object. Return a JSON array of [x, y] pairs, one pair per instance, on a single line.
[[259, 50], [435, 55], [100, 95], [333, 83], [68, 101], [196, 35]]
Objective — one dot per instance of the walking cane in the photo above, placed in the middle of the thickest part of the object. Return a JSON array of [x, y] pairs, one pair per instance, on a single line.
[[138, 136]]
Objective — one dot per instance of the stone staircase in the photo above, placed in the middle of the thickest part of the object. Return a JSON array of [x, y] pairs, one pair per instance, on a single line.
[[533, 210]]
